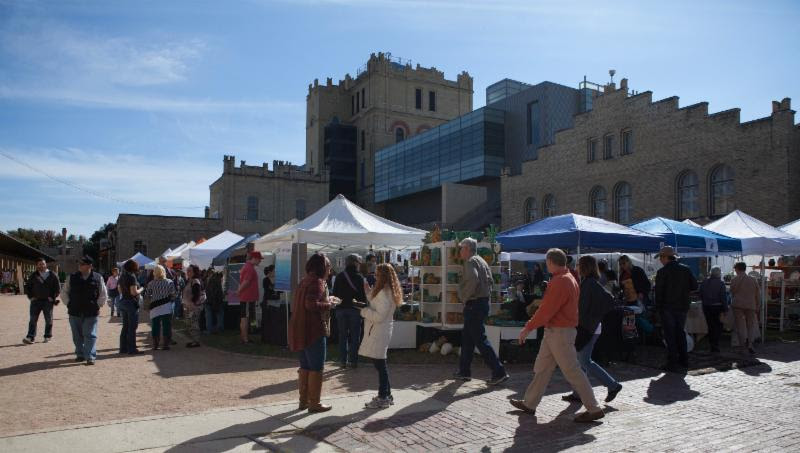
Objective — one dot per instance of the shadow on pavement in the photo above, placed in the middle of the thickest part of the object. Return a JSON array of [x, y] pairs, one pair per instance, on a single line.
[[559, 434], [668, 389]]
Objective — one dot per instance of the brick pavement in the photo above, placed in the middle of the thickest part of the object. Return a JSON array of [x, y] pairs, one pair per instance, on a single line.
[[752, 409]]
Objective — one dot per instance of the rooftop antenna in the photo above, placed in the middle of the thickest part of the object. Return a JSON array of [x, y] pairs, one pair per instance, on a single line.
[[611, 72]]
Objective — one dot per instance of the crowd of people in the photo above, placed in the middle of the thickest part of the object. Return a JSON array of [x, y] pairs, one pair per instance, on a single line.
[[570, 313]]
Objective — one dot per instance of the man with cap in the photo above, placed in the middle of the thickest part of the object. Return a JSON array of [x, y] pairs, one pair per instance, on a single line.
[[248, 293], [42, 290], [84, 293], [674, 282], [349, 286]]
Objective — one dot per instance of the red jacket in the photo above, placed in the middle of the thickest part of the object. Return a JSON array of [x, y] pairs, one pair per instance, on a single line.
[[559, 307]]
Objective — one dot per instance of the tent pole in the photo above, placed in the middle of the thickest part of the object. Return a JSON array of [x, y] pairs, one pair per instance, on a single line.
[[763, 300]]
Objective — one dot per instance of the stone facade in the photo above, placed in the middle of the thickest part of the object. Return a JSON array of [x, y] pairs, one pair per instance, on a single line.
[[152, 234], [379, 101], [668, 148], [254, 199]]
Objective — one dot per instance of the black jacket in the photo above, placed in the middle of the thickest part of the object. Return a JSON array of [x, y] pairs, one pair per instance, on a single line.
[[640, 281], [593, 304], [343, 290], [215, 296], [38, 288], [674, 282], [712, 292], [84, 294]]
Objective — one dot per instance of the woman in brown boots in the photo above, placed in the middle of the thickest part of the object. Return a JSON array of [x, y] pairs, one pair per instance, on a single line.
[[308, 329]]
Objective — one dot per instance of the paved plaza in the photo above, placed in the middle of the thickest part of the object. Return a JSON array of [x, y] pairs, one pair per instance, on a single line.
[[208, 400]]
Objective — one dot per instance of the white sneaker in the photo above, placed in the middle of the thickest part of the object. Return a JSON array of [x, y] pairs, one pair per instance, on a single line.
[[27, 340], [47, 340], [378, 403]]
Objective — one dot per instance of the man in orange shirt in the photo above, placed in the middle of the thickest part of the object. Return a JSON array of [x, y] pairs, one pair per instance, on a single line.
[[558, 314]]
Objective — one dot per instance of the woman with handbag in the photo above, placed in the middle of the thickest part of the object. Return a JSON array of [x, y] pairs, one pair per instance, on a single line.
[[593, 304], [309, 328], [193, 298], [378, 322], [158, 296]]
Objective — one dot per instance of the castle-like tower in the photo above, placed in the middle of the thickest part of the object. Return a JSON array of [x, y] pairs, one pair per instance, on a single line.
[[387, 101]]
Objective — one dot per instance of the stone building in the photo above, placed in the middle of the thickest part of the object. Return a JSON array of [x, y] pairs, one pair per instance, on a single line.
[[246, 199], [152, 234], [386, 102], [629, 159], [254, 199]]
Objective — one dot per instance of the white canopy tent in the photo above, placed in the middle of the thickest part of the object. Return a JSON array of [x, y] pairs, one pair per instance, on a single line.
[[176, 252], [792, 228], [139, 258], [760, 239], [342, 224], [201, 255], [692, 223]]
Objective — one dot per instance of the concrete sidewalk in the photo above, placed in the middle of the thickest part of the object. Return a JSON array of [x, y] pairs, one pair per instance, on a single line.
[[275, 427]]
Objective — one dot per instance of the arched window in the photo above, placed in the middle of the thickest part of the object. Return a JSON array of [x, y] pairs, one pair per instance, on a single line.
[[721, 190], [597, 202], [623, 206], [399, 135], [688, 195], [549, 206], [531, 211]]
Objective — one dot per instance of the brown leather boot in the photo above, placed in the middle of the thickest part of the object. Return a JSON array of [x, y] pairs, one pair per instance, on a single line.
[[302, 380], [315, 392]]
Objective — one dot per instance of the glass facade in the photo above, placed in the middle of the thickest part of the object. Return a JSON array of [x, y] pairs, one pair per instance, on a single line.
[[466, 148]]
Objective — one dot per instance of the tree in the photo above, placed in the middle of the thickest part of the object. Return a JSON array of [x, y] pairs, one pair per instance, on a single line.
[[93, 245], [37, 238]]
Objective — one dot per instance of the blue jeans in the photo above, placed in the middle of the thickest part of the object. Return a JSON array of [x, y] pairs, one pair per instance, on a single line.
[[211, 315], [674, 324], [312, 358], [84, 335], [129, 309], [384, 389], [474, 334], [589, 366], [177, 308], [348, 321], [41, 306]]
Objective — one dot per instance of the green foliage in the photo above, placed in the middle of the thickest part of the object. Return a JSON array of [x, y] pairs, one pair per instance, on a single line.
[[37, 238]]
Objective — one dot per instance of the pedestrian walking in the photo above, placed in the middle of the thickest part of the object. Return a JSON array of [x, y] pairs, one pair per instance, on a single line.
[[674, 282], [84, 293], [558, 314], [744, 292], [384, 297], [309, 328], [715, 302], [474, 291], [193, 298], [248, 294], [113, 292], [215, 304], [42, 290], [594, 303], [130, 294], [349, 286], [158, 296]]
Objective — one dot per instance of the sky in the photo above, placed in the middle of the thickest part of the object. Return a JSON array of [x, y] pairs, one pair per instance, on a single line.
[[111, 107]]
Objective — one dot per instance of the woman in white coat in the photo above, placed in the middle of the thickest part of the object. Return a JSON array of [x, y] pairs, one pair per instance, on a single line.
[[378, 320]]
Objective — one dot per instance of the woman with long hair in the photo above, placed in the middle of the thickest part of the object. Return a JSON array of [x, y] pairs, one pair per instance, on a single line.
[[129, 290], [378, 322], [593, 304], [309, 328]]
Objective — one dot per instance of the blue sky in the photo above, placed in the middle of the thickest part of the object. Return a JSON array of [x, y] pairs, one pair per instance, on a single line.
[[137, 101]]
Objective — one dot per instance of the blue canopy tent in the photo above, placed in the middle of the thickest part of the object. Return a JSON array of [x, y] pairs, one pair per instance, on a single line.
[[222, 258], [579, 234], [688, 239]]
